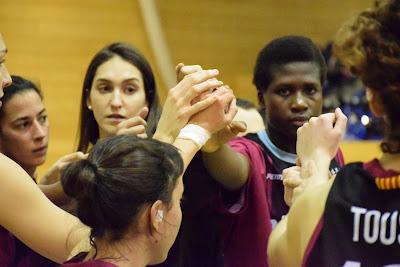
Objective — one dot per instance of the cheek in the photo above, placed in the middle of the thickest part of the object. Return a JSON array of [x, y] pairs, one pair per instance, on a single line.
[[316, 106], [15, 144], [274, 110], [135, 103]]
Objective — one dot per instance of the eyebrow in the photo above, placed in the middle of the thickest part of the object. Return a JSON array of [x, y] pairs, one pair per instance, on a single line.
[[126, 80], [27, 118]]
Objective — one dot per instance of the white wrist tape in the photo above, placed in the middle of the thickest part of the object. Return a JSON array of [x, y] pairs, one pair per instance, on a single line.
[[196, 133]]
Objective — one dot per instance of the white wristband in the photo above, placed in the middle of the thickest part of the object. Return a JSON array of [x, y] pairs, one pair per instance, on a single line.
[[196, 133]]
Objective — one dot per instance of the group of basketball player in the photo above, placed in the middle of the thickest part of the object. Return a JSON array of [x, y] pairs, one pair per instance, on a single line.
[[177, 187]]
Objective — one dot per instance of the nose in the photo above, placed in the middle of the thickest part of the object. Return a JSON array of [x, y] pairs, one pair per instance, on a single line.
[[299, 103], [39, 131], [5, 77], [116, 100]]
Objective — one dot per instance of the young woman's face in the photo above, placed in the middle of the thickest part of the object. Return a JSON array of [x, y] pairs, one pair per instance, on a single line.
[[5, 79], [24, 129], [117, 94]]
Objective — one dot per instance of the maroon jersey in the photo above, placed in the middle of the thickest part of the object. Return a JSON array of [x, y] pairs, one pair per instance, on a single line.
[[13, 253]]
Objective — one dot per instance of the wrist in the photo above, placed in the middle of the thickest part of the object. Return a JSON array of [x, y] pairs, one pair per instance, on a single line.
[[195, 133], [163, 138]]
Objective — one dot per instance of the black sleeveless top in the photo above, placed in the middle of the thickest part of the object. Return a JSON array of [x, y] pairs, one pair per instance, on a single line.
[[360, 226]]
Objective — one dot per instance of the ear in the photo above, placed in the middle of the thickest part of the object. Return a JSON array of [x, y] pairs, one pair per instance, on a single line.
[[375, 103], [261, 101], [157, 216], [88, 101]]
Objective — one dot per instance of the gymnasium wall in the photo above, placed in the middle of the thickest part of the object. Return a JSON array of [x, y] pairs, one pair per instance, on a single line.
[[52, 42]]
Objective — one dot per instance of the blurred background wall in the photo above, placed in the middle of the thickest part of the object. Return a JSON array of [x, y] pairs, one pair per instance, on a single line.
[[52, 42]]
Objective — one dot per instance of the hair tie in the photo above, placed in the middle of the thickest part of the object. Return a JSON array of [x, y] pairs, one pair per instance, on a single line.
[[93, 166]]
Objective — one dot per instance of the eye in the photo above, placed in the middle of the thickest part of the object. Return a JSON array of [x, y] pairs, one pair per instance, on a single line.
[[283, 91], [310, 89], [22, 125], [130, 89], [104, 89], [43, 119]]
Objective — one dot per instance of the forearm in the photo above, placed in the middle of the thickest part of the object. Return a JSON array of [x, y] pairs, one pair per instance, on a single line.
[[228, 167], [278, 245], [21, 201], [162, 136], [289, 239], [187, 148], [55, 193]]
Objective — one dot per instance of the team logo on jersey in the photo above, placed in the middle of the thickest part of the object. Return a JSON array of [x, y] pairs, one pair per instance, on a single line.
[[273, 176]]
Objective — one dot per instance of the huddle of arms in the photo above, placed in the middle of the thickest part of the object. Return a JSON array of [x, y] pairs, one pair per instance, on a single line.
[[199, 99]]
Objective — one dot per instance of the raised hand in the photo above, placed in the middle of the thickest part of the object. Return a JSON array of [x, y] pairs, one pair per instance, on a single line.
[[319, 139], [135, 125], [52, 175], [182, 70], [218, 115], [181, 103], [223, 136]]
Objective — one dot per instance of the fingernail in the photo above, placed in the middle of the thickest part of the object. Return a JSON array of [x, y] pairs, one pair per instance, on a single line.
[[214, 71]]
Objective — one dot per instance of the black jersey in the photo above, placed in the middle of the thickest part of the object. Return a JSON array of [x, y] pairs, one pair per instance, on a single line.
[[360, 225]]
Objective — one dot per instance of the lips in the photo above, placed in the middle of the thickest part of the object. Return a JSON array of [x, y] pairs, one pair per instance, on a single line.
[[41, 151], [299, 121], [115, 118]]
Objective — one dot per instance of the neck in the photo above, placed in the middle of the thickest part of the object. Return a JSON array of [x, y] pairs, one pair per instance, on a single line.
[[125, 253], [102, 134], [390, 161], [31, 171], [282, 141]]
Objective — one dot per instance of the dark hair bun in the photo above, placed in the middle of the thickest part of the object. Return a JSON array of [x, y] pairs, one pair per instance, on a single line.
[[79, 180]]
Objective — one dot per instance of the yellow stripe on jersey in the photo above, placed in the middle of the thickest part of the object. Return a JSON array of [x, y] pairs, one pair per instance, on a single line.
[[388, 183]]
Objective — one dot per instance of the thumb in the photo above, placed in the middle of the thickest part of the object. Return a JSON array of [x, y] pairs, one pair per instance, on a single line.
[[341, 121], [238, 127], [143, 112]]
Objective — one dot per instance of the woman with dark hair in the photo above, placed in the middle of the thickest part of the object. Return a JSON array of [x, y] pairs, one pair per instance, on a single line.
[[119, 95], [119, 86], [353, 219], [24, 127], [24, 133]]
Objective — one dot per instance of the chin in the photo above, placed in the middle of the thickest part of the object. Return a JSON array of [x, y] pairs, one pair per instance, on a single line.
[[159, 259], [38, 162]]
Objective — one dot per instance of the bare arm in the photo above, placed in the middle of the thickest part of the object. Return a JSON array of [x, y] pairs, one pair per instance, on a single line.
[[288, 241], [55, 193], [228, 167], [28, 214]]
